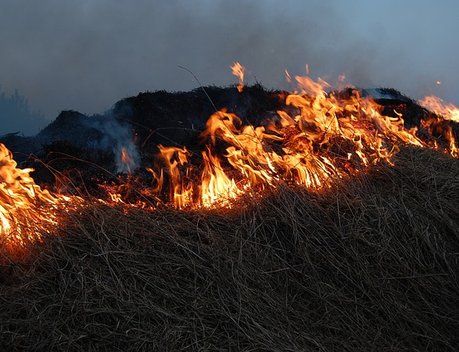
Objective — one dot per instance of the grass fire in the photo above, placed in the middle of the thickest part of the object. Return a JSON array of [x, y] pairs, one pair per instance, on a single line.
[[316, 219]]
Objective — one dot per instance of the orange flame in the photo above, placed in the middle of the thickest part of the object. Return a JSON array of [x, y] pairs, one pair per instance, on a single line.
[[180, 187], [439, 107], [26, 210], [317, 138], [238, 70], [216, 186], [300, 148], [126, 159]]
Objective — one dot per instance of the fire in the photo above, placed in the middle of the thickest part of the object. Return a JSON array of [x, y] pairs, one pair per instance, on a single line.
[[26, 210], [126, 159], [318, 137], [439, 107], [216, 186], [323, 139], [180, 187], [239, 71]]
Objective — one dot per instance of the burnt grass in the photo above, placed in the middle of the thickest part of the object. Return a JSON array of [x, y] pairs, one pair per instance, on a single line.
[[370, 265]]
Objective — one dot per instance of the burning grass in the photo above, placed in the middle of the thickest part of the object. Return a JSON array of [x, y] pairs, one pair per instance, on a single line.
[[369, 264]]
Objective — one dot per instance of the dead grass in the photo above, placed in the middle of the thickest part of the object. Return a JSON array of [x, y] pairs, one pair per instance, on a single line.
[[372, 265]]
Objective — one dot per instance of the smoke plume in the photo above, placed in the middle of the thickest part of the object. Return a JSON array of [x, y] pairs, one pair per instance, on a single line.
[[86, 55], [118, 139]]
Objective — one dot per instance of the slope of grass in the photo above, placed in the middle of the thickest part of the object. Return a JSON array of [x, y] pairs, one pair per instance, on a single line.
[[372, 265]]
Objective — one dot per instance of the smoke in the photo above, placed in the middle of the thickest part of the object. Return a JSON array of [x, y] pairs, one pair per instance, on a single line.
[[86, 55], [116, 138]]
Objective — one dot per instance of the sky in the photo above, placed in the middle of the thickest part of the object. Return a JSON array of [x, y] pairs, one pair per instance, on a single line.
[[85, 55]]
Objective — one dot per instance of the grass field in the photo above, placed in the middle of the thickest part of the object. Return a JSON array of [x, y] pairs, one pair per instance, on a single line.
[[370, 265]]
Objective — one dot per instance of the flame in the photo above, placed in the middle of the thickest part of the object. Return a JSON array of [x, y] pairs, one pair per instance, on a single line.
[[126, 159], [317, 138], [26, 210], [439, 107], [180, 187], [238, 70], [288, 77], [216, 186], [314, 145]]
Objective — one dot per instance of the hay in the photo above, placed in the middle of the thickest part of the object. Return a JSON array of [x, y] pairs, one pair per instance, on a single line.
[[371, 265]]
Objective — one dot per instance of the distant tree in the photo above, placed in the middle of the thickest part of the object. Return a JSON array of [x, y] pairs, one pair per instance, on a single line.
[[15, 115]]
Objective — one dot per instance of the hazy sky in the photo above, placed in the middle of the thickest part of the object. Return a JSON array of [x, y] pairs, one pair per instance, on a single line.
[[87, 54]]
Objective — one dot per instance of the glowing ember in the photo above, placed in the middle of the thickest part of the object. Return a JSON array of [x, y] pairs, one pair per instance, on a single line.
[[238, 70]]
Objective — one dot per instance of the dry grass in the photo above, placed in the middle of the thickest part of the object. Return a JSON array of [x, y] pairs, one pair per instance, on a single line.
[[372, 265]]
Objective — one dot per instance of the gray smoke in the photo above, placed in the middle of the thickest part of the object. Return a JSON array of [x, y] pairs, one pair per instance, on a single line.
[[85, 55], [117, 138]]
